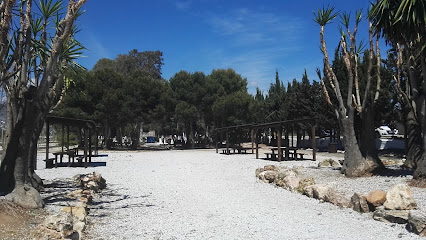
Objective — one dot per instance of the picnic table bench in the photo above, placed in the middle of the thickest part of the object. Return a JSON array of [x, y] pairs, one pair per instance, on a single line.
[[58, 158], [235, 149], [291, 152]]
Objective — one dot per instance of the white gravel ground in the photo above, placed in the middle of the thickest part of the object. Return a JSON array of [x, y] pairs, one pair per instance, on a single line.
[[198, 194]]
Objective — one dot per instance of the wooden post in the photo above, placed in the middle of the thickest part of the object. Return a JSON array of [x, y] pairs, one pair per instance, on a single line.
[[314, 146], [97, 140], [85, 146], [252, 141], [280, 153], [217, 140], [90, 145], [257, 145], [63, 141], [286, 142], [227, 143], [47, 140], [68, 137]]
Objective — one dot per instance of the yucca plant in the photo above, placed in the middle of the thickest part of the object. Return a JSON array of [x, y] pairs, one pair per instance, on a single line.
[[38, 46]]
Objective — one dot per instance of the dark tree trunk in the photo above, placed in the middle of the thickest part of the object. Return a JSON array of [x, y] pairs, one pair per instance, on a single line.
[[414, 148], [16, 178]]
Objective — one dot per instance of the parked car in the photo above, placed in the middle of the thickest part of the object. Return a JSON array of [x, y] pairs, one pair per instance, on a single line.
[[385, 131]]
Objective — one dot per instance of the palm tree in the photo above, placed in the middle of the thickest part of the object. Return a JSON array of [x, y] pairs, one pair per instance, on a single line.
[[402, 23]]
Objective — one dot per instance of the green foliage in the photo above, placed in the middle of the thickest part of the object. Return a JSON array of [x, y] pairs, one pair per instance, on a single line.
[[325, 15]]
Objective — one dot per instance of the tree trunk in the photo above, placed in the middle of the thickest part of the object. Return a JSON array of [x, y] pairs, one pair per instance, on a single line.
[[360, 159], [136, 136], [15, 174], [192, 135], [414, 148]]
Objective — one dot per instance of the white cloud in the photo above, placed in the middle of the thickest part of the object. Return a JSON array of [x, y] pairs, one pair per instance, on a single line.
[[246, 27]]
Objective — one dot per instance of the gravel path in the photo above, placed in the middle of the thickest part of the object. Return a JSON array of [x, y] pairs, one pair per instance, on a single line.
[[203, 195]]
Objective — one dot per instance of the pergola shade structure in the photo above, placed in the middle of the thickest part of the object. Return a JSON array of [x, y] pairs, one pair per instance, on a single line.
[[89, 129], [279, 127]]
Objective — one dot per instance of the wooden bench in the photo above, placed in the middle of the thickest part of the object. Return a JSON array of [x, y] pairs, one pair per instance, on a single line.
[[49, 162], [70, 154]]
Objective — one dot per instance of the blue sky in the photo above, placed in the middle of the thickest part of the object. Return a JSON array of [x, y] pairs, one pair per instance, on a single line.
[[252, 37]]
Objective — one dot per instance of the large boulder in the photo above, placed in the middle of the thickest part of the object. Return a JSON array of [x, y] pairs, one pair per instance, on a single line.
[[391, 216], [376, 198], [359, 203], [417, 222], [26, 196], [399, 197]]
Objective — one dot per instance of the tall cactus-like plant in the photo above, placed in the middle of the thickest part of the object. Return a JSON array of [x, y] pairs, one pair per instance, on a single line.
[[36, 49], [360, 154]]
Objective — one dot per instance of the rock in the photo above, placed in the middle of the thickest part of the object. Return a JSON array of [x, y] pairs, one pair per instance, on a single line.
[[359, 203], [329, 163], [318, 191], [391, 216], [304, 183], [258, 171], [79, 212], [417, 222], [25, 196], [79, 226], [283, 173], [268, 176], [336, 198], [270, 168], [97, 177], [326, 193], [61, 223], [279, 182], [291, 182], [399, 197], [376, 198], [92, 185], [75, 194]]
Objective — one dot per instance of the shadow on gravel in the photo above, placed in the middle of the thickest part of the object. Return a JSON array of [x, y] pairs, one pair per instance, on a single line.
[[111, 197], [394, 172], [56, 190]]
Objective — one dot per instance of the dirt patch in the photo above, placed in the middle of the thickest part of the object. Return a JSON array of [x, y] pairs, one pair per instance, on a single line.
[[17, 222]]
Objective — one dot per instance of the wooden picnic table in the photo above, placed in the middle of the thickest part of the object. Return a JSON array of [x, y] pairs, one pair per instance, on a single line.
[[288, 152], [235, 149], [71, 157]]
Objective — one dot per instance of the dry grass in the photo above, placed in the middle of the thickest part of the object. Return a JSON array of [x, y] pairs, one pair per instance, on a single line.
[[17, 222]]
